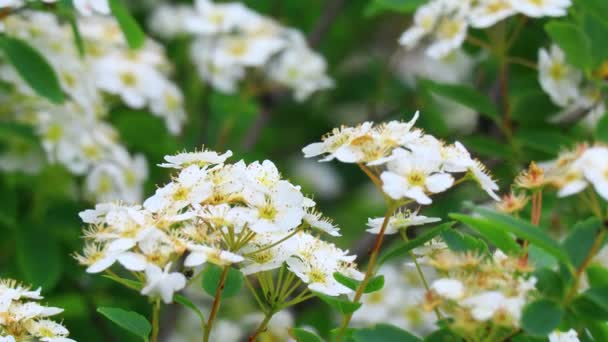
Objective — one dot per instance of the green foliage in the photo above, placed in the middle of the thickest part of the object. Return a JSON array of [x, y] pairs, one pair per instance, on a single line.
[[376, 7], [497, 237], [464, 95], [301, 335], [383, 332], [373, 285], [39, 256], [343, 306], [128, 320], [573, 41], [578, 243], [541, 317], [211, 279], [403, 247], [33, 68], [133, 33], [524, 230]]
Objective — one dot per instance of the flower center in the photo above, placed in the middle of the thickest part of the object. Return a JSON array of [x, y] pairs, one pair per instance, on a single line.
[[416, 178]]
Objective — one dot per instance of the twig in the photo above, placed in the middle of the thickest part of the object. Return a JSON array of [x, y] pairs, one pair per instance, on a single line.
[[216, 303], [330, 13]]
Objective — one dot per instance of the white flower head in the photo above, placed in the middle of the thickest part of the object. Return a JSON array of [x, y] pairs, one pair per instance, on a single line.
[[162, 282], [535, 8], [448, 288], [400, 220], [557, 78]]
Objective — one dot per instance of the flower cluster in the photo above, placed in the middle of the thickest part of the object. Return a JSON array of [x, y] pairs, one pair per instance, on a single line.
[[444, 23], [23, 319], [230, 38], [399, 302], [74, 133], [480, 291], [573, 171], [412, 165], [567, 89], [84, 7], [221, 213]]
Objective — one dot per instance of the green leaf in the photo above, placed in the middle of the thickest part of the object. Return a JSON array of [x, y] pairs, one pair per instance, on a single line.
[[578, 243], [211, 279], [547, 140], [464, 95], [342, 305], [596, 7], [33, 68], [526, 231], [130, 28], [384, 333], [301, 335], [597, 276], [573, 41], [376, 7], [128, 320], [601, 131], [443, 335], [539, 258], [405, 246], [38, 256], [541, 317], [459, 242], [188, 303], [496, 236], [549, 283], [132, 284], [373, 285], [488, 147], [598, 295], [596, 29]]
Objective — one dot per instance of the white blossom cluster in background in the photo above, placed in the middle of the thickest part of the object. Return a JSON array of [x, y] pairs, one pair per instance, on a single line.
[[23, 319], [574, 171], [84, 7], [225, 214], [568, 89], [75, 134], [230, 38], [399, 302], [412, 165], [441, 25], [475, 289]]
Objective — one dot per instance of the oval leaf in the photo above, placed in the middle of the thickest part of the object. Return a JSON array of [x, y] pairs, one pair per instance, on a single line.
[[496, 236], [211, 280], [385, 333], [301, 335], [541, 317], [406, 246], [128, 320], [130, 28], [33, 68]]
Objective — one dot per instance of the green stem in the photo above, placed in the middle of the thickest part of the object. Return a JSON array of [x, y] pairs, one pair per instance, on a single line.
[[370, 268], [155, 320], [262, 327], [216, 303], [419, 270], [597, 244]]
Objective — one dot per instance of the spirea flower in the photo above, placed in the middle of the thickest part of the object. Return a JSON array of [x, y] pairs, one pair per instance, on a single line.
[[573, 171], [75, 134], [478, 291], [230, 37], [442, 25], [215, 212], [411, 164], [22, 318]]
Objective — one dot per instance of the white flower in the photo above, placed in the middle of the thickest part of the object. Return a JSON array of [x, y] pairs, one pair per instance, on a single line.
[[484, 305], [564, 336], [594, 164], [316, 221], [189, 188], [261, 258], [88, 7], [302, 70], [425, 18], [200, 254], [400, 220], [557, 78], [448, 288], [535, 8], [281, 209], [449, 36], [162, 283], [488, 12], [246, 51], [221, 75], [134, 82], [413, 175], [216, 18], [202, 159]]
